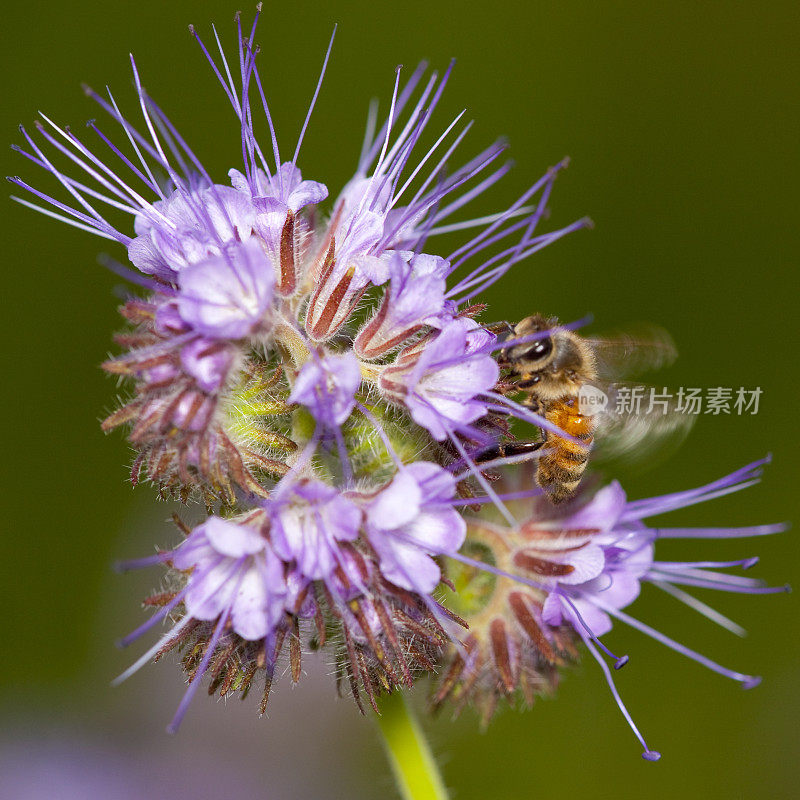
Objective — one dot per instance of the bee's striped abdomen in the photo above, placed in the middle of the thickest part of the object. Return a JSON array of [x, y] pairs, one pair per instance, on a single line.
[[562, 461]]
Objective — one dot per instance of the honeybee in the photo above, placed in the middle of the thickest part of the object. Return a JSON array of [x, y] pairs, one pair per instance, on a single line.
[[552, 371]]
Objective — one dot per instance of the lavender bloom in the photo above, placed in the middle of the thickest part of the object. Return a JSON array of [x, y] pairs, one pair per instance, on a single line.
[[415, 298], [286, 186], [310, 518], [188, 227], [412, 519], [235, 574], [327, 387], [571, 572], [440, 384], [227, 296]]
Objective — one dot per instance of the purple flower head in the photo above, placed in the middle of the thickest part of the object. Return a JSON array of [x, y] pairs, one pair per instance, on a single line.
[[415, 298], [442, 385], [309, 518], [250, 303], [578, 567], [234, 571], [189, 227], [327, 387], [227, 296], [412, 519]]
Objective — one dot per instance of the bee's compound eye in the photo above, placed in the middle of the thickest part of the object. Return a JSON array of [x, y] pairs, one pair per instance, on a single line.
[[538, 350]]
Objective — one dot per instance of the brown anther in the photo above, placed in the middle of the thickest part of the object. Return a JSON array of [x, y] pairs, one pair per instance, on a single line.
[[122, 415], [288, 278], [501, 651], [295, 655], [520, 605], [262, 706], [540, 566]]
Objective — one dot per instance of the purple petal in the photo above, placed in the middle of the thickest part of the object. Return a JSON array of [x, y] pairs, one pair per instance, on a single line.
[[207, 363], [226, 297]]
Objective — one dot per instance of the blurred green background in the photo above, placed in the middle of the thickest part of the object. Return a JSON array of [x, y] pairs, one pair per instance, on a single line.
[[681, 120]]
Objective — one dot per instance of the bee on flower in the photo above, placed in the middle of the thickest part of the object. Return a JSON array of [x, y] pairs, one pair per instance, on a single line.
[[312, 372]]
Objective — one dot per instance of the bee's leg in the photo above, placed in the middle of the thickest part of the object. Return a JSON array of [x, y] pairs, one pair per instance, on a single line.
[[506, 450], [500, 328], [530, 401]]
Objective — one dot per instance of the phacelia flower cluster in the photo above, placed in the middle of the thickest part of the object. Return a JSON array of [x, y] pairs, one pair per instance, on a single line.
[[312, 372]]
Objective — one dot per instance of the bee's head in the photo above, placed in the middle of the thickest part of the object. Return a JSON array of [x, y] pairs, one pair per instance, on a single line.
[[550, 365]]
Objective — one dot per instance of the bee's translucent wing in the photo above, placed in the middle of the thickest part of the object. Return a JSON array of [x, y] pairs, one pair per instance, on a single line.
[[637, 349], [640, 423]]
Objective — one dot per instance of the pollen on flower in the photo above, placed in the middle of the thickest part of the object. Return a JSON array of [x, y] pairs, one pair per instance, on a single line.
[[316, 375]]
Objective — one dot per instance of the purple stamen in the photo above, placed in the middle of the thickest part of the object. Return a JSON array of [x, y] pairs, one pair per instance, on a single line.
[[648, 754], [140, 563], [157, 617], [403, 98], [144, 659], [201, 669], [534, 337], [529, 416], [501, 507], [48, 213], [619, 661], [702, 608], [381, 433], [313, 99], [746, 680], [719, 533], [468, 501]]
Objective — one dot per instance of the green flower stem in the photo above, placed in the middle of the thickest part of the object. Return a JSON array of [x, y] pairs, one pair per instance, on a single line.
[[413, 764]]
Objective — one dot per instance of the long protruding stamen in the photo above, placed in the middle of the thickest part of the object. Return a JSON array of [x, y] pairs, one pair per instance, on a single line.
[[720, 533], [387, 442], [478, 475], [314, 98], [136, 149], [619, 661], [140, 563], [541, 242], [702, 608], [402, 99], [461, 254], [535, 337], [740, 479], [648, 754], [382, 155], [747, 681], [60, 217], [507, 496], [533, 455], [144, 659], [157, 617], [200, 671], [505, 405]]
